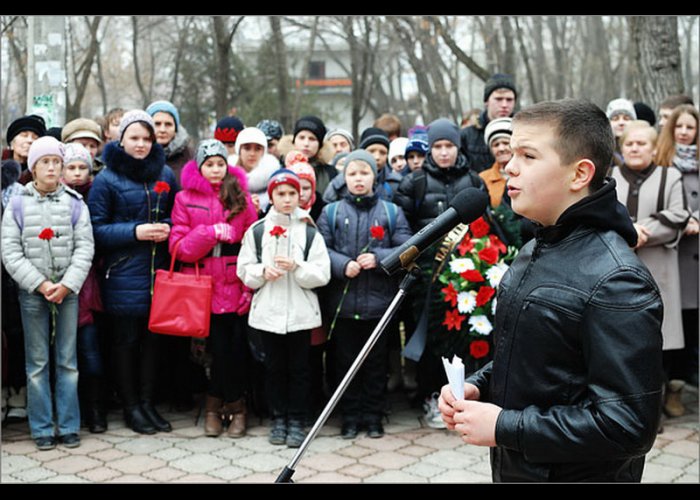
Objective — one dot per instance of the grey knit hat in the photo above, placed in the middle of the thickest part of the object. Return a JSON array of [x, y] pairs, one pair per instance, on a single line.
[[344, 133], [361, 155], [133, 116], [208, 148], [74, 151], [443, 129]]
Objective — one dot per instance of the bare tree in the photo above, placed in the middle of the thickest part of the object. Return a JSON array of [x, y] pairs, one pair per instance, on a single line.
[[478, 70], [99, 76], [224, 35], [657, 56], [280, 53], [82, 69], [305, 69]]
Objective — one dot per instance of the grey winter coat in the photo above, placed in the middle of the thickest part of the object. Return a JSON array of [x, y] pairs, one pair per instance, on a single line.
[[27, 258], [660, 253]]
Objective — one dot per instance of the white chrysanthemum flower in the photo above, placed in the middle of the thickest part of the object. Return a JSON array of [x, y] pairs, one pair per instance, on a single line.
[[495, 274], [460, 265], [480, 324], [466, 302]]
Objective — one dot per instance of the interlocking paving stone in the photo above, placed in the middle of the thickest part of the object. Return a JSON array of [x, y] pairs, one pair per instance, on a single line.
[[89, 444], [451, 459], [259, 477], [671, 460], [440, 440], [355, 451], [685, 448], [143, 445], [395, 476], [100, 474], [16, 463], [208, 445], [132, 478], [423, 469], [164, 474], [198, 478], [655, 473], [262, 462], [49, 455], [66, 478], [360, 470], [387, 443], [460, 476], [326, 462], [230, 473], [199, 463], [136, 464], [33, 475], [109, 455], [415, 450], [72, 464], [233, 453], [259, 444], [331, 477], [170, 454], [388, 460]]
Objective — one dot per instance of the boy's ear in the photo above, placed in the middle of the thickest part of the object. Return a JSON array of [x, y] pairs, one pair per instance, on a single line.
[[582, 175]]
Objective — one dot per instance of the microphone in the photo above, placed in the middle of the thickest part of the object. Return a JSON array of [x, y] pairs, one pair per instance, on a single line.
[[465, 208]]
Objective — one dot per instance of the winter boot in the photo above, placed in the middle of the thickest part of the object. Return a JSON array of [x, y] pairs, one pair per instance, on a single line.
[[278, 431], [213, 425], [235, 414], [137, 421], [673, 405], [95, 415], [394, 381], [152, 414], [295, 433]]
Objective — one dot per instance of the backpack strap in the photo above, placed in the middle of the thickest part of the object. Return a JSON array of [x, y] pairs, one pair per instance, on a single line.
[[258, 229], [391, 211], [75, 209], [18, 211], [420, 183], [387, 190], [310, 235], [332, 212]]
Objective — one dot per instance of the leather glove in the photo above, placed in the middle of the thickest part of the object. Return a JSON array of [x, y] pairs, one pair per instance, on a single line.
[[224, 232], [244, 302]]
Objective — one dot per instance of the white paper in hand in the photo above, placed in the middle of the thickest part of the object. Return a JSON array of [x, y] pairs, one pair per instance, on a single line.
[[455, 376]]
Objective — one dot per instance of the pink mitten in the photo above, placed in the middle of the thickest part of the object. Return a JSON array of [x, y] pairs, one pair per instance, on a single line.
[[224, 232]]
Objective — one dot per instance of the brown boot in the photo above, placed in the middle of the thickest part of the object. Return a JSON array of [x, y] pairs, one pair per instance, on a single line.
[[672, 404], [235, 413], [213, 425]]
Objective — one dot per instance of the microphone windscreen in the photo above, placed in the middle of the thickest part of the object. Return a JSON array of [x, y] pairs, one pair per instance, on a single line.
[[470, 203]]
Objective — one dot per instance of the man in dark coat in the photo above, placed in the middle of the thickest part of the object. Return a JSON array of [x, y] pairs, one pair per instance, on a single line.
[[500, 95], [574, 389]]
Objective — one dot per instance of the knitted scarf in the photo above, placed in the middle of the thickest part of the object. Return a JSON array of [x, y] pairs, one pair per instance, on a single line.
[[686, 158]]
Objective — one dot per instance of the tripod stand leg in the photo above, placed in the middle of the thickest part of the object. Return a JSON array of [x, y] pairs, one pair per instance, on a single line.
[[286, 475]]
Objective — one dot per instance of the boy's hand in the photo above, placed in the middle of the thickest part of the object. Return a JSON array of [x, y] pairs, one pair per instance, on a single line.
[[447, 400], [256, 201], [352, 269], [272, 273], [367, 261], [285, 263], [56, 293], [476, 422]]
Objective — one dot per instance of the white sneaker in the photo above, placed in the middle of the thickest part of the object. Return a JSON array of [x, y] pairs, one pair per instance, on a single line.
[[17, 403], [432, 415]]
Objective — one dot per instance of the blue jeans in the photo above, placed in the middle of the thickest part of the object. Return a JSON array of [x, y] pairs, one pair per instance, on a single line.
[[36, 321], [90, 351]]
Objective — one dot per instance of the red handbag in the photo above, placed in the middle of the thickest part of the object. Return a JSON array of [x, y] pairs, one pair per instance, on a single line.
[[181, 303]]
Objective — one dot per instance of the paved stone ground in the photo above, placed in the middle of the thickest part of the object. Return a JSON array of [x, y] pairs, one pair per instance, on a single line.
[[410, 452]]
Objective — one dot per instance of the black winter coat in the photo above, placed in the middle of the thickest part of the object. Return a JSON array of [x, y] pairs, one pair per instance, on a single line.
[[478, 154], [577, 352], [440, 186]]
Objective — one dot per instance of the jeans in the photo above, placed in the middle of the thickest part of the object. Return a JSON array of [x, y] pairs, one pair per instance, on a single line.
[[228, 347], [365, 396], [36, 322], [287, 373]]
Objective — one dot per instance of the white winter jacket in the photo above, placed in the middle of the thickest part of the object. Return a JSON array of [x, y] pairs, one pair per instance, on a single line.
[[27, 258], [289, 303]]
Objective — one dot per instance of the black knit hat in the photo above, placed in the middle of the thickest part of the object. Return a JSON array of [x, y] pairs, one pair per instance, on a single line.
[[499, 81], [373, 135], [34, 123], [313, 124], [644, 112]]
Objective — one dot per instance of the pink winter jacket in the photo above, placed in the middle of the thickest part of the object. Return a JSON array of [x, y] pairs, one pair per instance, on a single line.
[[197, 208]]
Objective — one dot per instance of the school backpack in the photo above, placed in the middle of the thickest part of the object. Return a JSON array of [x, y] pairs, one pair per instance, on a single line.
[[18, 210], [389, 207], [259, 228]]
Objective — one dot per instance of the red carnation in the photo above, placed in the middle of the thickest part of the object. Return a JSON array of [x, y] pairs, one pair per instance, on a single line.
[[498, 244], [450, 295], [377, 232], [478, 349], [453, 320], [489, 255], [473, 275], [161, 187], [484, 295], [277, 231], [479, 228], [46, 234], [466, 245]]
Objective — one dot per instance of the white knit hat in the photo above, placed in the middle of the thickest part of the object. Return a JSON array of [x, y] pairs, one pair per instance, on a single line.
[[397, 147], [251, 135], [621, 106], [495, 129]]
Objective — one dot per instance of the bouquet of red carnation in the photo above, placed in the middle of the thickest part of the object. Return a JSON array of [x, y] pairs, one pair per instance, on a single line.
[[159, 188], [462, 315]]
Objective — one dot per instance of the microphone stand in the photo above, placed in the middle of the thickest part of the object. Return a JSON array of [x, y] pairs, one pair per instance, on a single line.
[[413, 271]]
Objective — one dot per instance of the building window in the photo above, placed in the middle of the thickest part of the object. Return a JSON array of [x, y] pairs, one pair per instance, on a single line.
[[317, 70]]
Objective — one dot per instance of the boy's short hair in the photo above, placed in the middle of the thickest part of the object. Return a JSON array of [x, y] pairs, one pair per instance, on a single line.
[[389, 123], [582, 131], [673, 101]]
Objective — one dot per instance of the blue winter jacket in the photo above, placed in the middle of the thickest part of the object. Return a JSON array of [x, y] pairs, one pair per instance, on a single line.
[[371, 291], [123, 197]]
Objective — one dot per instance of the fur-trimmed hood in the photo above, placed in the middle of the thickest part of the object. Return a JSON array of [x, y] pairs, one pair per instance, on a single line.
[[147, 170], [191, 178]]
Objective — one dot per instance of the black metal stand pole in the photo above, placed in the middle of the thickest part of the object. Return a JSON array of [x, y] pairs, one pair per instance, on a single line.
[[411, 276]]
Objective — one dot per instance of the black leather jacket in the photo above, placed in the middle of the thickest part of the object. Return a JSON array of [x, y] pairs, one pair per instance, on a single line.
[[474, 147], [577, 359]]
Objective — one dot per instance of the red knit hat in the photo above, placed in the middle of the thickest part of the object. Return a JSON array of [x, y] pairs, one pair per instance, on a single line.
[[282, 176]]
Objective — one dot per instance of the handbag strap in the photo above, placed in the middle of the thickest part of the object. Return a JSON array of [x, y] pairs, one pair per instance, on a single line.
[[173, 259]]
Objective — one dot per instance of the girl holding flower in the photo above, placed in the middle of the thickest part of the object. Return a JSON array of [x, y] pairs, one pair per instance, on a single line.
[[289, 263], [47, 248], [359, 232], [130, 204]]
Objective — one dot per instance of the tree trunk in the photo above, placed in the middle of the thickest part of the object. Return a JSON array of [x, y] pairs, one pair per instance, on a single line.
[[285, 110], [526, 59], [145, 98], [557, 50], [305, 70], [100, 80], [183, 33], [508, 58], [657, 56], [82, 73]]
